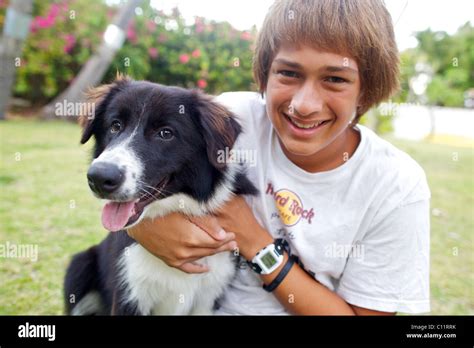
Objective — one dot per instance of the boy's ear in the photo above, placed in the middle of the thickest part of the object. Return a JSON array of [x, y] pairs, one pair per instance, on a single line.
[[218, 126], [98, 96]]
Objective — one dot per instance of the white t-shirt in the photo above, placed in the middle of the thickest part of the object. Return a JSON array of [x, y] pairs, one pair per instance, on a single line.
[[362, 229]]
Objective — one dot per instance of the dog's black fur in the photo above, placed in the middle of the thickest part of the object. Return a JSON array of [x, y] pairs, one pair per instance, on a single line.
[[201, 127]]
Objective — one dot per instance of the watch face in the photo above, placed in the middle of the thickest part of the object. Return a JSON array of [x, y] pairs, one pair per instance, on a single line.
[[268, 260]]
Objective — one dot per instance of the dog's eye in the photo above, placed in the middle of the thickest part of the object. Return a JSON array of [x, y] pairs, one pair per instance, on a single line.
[[115, 127], [165, 134]]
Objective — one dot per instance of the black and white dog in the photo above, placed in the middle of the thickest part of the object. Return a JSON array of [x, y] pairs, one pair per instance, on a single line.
[[156, 152]]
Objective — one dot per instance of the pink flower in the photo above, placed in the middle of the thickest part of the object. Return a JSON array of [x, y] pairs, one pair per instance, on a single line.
[[151, 26], [53, 11], [41, 23], [197, 20], [196, 53], [202, 83], [33, 26], [153, 52], [246, 36], [199, 28], [70, 42], [131, 34], [46, 22], [184, 58]]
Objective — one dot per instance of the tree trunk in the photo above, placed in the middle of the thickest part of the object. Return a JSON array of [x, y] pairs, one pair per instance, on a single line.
[[16, 27], [92, 73]]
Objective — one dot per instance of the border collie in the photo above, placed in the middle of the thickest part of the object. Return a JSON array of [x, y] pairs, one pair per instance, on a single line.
[[155, 153]]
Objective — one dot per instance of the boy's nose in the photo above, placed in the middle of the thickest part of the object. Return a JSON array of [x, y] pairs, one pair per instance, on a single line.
[[306, 101]]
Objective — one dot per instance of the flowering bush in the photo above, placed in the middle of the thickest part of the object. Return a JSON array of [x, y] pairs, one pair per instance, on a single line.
[[63, 36], [207, 55], [160, 47]]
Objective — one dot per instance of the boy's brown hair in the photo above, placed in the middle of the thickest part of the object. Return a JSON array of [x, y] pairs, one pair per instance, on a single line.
[[360, 29]]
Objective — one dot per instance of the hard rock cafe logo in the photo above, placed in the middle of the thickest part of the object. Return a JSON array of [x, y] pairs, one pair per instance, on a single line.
[[289, 206]]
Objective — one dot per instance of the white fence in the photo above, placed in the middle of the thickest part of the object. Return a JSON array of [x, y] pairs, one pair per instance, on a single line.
[[415, 122]]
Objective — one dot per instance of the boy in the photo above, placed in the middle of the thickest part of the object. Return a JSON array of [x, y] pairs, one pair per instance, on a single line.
[[353, 208]]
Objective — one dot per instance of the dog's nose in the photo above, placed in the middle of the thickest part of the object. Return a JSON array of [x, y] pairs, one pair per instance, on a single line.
[[105, 178]]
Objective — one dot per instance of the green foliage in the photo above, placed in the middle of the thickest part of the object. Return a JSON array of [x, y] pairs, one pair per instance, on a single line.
[[159, 47], [451, 59], [207, 54], [62, 38]]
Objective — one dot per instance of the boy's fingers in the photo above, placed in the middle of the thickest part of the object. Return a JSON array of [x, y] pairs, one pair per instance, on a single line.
[[230, 246], [204, 241], [204, 252], [210, 225]]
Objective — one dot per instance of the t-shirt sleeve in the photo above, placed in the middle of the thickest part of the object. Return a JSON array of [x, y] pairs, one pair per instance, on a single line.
[[243, 105], [391, 273]]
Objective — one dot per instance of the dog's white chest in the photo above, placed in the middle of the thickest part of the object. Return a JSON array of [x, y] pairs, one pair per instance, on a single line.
[[160, 289]]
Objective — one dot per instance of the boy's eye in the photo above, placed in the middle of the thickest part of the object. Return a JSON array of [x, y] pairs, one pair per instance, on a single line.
[[288, 73], [336, 79]]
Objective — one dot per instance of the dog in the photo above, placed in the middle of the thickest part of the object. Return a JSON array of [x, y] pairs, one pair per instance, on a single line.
[[156, 152]]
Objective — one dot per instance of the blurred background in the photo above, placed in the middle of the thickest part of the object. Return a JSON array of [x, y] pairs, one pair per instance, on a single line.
[[51, 51]]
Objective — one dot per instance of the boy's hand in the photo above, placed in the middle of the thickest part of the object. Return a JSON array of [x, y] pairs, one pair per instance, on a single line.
[[179, 242], [237, 216]]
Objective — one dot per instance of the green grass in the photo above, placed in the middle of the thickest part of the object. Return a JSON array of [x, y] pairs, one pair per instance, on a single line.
[[450, 172], [35, 208]]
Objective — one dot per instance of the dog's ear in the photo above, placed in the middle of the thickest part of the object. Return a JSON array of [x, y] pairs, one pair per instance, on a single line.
[[98, 97], [94, 96], [218, 126]]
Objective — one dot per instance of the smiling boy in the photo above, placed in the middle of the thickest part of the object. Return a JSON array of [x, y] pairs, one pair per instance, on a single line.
[[353, 209]]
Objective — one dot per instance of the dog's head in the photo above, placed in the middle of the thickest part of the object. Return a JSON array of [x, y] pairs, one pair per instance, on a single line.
[[153, 141]]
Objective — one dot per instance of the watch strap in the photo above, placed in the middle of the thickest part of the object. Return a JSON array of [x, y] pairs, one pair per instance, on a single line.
[[280, 245]]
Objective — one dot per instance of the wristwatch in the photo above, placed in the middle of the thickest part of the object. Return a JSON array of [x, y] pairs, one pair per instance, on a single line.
[[269, 258]]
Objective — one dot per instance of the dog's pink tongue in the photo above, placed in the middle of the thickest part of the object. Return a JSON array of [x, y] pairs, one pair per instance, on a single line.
[[115, 215]]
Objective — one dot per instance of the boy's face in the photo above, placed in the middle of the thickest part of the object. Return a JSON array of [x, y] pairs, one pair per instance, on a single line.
[[311, 98]]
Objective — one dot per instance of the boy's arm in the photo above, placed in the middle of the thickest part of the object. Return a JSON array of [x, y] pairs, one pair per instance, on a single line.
[[299, 293]]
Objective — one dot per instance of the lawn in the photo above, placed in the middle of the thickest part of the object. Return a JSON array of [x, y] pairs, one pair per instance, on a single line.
[[45, 201]]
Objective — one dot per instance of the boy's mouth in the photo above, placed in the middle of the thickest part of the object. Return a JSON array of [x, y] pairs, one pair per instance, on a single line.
[[305, 127]]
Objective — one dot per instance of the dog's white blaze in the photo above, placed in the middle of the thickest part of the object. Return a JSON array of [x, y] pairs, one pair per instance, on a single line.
[[160, 289], [125, 158]]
